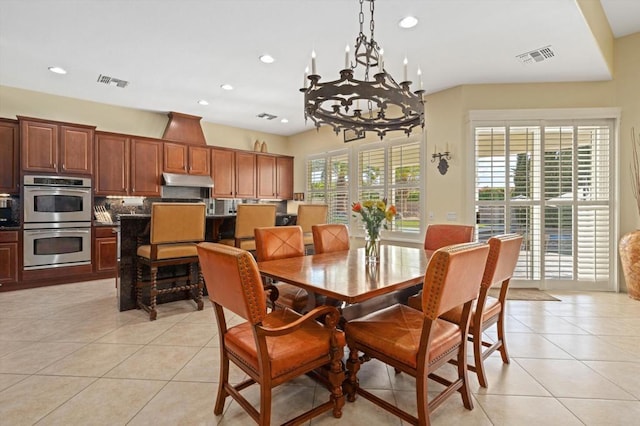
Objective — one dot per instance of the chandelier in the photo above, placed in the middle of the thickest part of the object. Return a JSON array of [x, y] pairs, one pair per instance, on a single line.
[[377, 104]]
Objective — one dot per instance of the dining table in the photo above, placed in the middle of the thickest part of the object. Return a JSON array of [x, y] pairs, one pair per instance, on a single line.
[[348, 280]]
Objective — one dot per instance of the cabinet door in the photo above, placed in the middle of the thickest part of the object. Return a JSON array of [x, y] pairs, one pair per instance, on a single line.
[[112, 164], [199, 161], [105, 250], [284, 178], [223, 172], [8, 257], [39, 146], [175, 158], [245, 175], [9, 146], [266, 176], [76, 150], [146, 168]]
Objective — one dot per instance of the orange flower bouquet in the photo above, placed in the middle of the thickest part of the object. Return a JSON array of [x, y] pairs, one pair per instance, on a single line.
[[374, 215]]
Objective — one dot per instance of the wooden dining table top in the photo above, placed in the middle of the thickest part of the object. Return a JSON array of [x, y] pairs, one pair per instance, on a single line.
[[345, 275]]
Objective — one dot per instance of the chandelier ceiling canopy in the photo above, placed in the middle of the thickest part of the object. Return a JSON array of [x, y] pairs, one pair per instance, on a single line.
[[374, 103]]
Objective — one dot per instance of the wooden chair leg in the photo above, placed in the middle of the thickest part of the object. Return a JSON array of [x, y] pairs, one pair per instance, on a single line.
[[501, 338], [223, 382], [479, 362], [199, 300], [422, 397], [463, 375], [153, 292], [351, 384], [265, 402], [138, 286]]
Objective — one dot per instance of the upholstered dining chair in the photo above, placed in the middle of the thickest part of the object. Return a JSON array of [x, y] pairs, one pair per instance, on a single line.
[[330, 237], [504, 251], [418, 342], [175, 230], [279, 242], [440, 235], [271, 348], [249, 217], [309, 215]]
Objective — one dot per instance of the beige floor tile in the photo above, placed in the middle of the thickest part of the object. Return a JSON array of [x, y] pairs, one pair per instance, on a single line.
[[7, 380], [187, 334], [525, 410], [105, 402], [195, 407], [31, 399], [506, 379], [205, 367], [610, 326], [362, 412], [139, 333], [154, 362], [93, 360], [572, 379], [452, 412], [630, 344], [586, 347], [624, 374], [7, 347], [549, 324], [35, 357], [531, 345], [599, 412]]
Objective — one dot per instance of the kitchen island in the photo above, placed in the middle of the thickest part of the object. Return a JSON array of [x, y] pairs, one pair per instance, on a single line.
[[135, 228]]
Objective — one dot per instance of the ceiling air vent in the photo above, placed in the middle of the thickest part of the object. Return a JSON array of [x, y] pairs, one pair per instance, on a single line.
[[105, 79], [266, 116], [537, 55]]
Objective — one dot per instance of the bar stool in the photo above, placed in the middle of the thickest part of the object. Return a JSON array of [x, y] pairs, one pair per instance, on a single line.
[[309, 215], [248, 218], [176, 228]]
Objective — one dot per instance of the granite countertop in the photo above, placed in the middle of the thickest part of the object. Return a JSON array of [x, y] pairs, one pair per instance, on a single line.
[[10, 228], [209, 216]]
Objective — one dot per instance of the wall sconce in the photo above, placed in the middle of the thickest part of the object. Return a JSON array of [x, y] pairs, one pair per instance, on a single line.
[[443, 159], [298, 196]]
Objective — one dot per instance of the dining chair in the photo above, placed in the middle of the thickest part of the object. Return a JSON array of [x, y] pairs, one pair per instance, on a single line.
[[440, 235], [309, 215], [330, 237], [280, 242], [271, 348], [249, 217], [504, 251], [175, 229], [418, 342]]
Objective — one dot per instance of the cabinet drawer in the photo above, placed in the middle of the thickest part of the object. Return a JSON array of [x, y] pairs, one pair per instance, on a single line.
[[104, 232], [8, 236]]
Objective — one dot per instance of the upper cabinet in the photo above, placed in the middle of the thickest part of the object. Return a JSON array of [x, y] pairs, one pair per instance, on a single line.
[[146, 167], [52, 147], [223, 173], [185, 159], [9, 151], [266, 171], [245, 174], [111, 175], [284, 178]]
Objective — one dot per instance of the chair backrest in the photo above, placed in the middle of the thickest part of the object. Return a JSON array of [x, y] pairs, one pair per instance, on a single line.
[[177, 222], [251, 216], [330, 237], [278, 242], [442, 235], [233, 280], [504, 251], [453, 277], [311, 214]]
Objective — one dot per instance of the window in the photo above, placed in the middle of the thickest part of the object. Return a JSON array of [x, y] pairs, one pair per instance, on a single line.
[[328, 183], [551, 182]]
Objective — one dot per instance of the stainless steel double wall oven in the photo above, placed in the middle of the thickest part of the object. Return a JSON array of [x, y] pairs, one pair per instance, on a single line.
[[57, 221]]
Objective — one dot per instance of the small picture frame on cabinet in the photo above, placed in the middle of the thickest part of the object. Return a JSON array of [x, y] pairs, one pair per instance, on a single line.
[[351, 135]]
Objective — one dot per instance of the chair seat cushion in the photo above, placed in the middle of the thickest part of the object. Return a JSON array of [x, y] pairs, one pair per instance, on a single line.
[[401, 340], [249, 244], [284, 351], [170, 251], [291, 296], [491, 308]]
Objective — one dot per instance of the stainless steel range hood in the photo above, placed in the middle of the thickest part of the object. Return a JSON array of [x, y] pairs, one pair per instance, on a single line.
[[193, 181]]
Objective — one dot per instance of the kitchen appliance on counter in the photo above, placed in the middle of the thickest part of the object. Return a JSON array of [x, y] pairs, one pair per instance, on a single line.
[[57, 221], [6, 212]]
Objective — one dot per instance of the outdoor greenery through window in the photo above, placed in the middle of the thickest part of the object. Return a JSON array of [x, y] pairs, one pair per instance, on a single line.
[[328, 183], [553, 184]]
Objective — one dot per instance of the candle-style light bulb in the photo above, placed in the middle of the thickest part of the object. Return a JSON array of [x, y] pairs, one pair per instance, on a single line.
[[306, 75], [346, 57], [405, 62], [313, 62], [420, 78], [381, 61]]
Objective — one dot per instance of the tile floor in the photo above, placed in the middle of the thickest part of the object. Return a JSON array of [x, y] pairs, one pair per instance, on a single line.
[[68, 357]]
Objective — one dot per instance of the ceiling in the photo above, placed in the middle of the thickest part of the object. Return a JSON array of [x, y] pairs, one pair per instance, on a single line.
[[176, 52]]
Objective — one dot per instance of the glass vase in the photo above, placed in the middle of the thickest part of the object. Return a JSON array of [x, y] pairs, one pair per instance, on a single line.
[[372, 247]]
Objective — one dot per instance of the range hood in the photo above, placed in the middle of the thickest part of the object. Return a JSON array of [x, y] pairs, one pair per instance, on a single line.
[[175, 179]]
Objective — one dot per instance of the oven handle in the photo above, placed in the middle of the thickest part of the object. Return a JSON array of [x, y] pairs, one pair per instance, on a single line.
[[46, 190], [55, 231]]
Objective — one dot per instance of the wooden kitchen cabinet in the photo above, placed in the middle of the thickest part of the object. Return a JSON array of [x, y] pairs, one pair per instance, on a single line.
[[266, 176], [105, 246], [111, 164], [9, 156], [284, 178], [146, 167], [8, 257], [245, 174], [185, 159], [223, 173], [53, 147]]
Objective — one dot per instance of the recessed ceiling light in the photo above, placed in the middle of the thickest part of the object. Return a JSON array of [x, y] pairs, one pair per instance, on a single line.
[[284, 120], [408, 22], [267, 59], [203, 102], [58, 70], [226, 87]]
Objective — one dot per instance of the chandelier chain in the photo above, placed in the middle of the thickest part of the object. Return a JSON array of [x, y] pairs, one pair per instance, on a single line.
[[361, 19], [371, 22]]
